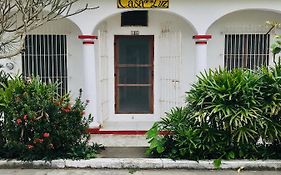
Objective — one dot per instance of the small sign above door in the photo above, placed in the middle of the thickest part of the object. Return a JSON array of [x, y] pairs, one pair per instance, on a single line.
[[142, 4]]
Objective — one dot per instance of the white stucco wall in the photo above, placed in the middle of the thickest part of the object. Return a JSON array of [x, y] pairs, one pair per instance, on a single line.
[[201, 14]]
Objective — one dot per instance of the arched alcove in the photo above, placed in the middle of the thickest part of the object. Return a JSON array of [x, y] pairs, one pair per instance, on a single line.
[[246, 22], [173, 66], [72, 61]]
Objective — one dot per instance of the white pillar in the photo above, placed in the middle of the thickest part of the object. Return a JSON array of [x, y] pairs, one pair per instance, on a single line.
[[201, 52], [89, 73]]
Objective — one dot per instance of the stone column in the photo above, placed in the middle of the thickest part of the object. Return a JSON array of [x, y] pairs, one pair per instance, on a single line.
[[90, 80], [201, 52]]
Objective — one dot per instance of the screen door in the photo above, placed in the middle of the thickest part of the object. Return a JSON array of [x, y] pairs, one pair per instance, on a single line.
[[133, 74]]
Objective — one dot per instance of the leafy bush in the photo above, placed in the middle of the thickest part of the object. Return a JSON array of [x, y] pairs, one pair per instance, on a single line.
[[226, 115], [270, 87], [4, 77], [2, 141], [38, 124]]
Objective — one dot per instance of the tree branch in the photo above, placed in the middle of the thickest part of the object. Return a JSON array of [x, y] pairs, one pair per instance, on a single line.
[[19, 17]]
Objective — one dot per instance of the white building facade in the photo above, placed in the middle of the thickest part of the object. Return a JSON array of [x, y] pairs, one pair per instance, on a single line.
[[133, 71]]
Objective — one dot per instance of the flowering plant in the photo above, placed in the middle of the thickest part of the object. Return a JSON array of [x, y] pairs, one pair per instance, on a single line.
[[40, 124]]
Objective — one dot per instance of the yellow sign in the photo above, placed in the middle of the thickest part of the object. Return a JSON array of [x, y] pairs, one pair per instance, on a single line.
[[143, 4]]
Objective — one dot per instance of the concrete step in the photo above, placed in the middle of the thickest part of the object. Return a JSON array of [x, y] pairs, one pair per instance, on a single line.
[[113, 140], [121, 146], [123, 152]]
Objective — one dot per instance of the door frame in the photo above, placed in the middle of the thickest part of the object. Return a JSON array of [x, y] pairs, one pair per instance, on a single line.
[[116, 72]]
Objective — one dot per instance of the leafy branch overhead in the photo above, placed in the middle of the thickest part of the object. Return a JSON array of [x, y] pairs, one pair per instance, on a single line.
[[19, 17]]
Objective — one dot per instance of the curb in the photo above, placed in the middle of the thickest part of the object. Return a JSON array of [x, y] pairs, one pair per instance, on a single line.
[[141, 163]]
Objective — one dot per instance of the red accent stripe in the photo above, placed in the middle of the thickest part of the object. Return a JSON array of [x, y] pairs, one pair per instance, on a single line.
[[202, 36], [201, 42], [93, 130], [88, 42], [124, 132], [87, 37]]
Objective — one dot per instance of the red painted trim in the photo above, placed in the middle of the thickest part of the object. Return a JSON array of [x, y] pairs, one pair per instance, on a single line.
[[87, 37], [202, 36], [124, 132], [93, 130], [88, 42], [201, 42]]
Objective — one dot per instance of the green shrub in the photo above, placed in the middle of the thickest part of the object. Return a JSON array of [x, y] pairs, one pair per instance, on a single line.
[[226, 114], [38, 124], [270, 88], [2, 141], [3, 82], [180, 140], [228, 101]]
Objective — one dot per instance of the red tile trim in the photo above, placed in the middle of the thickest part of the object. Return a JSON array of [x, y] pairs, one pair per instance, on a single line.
[[88, 37], [202, 36], [201, 42], [88, 42], [93, 130]]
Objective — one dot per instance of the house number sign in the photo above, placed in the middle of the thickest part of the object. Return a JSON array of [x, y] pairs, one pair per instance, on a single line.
[[143, 4]]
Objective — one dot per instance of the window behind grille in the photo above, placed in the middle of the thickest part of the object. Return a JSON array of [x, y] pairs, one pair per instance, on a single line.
[[45, 56], [246, 50]]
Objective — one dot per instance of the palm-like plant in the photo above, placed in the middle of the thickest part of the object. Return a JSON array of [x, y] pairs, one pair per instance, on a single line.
[[228, 101], [226, 114]]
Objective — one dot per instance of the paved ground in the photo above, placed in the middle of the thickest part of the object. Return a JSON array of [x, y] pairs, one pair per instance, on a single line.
[[129, 172]]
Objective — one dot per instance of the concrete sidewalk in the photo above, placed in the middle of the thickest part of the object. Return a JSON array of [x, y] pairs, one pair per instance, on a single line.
[[142, 163], [128, 172]]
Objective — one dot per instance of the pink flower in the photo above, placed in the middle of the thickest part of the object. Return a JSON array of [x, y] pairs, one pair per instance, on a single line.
[[29, 146], [66, 109], [37, 140], [18, 121], [25, 117], [46, 135], [68, 106]]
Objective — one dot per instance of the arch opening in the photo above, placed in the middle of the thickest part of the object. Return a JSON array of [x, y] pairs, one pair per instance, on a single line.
[[240, 40], [173, 67]]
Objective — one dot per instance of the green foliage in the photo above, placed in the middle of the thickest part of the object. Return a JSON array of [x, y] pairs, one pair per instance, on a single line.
[[38, 124], [169, 144], [2, 140], [228, 101], [228, 115], [276, 47], [270, 87], [3, 82], [217, 163]]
